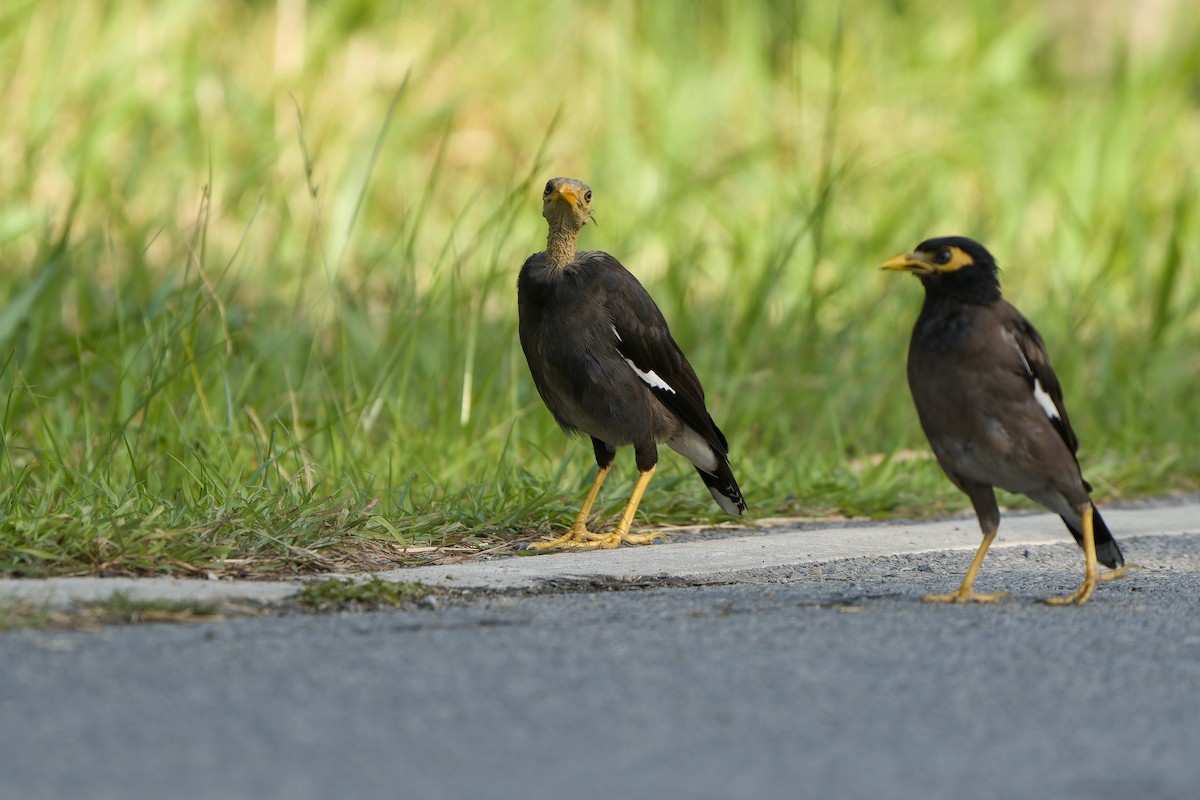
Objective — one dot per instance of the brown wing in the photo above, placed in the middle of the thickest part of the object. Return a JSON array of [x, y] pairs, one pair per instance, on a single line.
[[1040, 376], [645, 342]]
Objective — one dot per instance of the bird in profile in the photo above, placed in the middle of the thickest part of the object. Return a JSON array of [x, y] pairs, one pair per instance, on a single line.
[[992, 407], [605, 364]]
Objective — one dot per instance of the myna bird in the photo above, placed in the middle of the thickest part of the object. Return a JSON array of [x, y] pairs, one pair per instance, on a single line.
[[605, 364], [992, 406]]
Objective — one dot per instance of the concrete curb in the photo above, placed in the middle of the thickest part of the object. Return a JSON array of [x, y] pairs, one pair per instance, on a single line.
[[693, 560]]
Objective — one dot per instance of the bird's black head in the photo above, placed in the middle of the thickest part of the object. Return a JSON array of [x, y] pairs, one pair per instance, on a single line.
[[954, 266]]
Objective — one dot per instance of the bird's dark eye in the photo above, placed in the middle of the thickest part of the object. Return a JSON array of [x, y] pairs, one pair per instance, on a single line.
[[587, 196], [549, 187], [943, 256]]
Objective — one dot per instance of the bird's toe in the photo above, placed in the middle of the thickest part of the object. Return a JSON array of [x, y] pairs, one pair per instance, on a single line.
[[1077, 597], [965, 596], [578, 537]]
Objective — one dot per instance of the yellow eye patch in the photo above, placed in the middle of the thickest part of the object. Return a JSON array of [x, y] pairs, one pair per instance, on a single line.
[[944, 259], [958, 260]]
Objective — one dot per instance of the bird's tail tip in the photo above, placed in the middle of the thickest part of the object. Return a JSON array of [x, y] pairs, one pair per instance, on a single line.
[[724, 489], [1108, 552]]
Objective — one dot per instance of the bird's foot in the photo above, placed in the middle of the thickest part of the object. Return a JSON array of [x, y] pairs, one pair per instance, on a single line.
[[1078, 597], [1112, 575], [962, 595], [577, 537], [580, 538], [609, 541]]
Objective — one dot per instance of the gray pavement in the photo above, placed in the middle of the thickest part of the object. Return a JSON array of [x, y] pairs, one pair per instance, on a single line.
[[723, 556], [801, 663], [824, 680]]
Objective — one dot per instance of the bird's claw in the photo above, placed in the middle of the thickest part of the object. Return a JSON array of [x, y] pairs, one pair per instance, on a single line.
[[577, 537], [1112, 575], [1077, 597], [965, 596], [580, 538], [608, 541]]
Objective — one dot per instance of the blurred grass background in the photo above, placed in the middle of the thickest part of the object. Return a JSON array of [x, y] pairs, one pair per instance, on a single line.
[[257, 259]]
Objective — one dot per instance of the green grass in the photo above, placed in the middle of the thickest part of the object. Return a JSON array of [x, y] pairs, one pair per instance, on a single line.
[[117, 609], [18, 615], [258, 277], [373, 593]]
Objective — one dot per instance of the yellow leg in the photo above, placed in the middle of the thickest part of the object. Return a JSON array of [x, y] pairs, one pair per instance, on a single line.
[[577, 535], [965, 593], [1081, 595], [622, 534]]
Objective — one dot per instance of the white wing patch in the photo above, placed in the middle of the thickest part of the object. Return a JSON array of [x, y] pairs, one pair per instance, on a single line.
[[1039, 394], [614, 330], [650, 378], [1044, 400]]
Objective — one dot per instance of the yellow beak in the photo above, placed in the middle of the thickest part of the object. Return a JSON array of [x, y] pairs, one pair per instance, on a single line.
[[909, 262], [566, 194]]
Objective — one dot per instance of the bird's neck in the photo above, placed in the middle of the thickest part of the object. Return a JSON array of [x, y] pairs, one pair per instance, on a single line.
[[960, 289], [560, 246]]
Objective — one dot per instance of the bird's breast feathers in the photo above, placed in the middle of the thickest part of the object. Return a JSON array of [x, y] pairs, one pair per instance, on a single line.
[[968, 364]]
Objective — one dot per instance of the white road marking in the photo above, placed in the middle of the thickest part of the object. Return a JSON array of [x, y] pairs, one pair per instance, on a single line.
[[765, 547]]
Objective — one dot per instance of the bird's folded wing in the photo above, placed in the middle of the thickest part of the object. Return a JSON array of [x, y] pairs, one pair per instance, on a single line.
[[644, 341], [1042, 380]]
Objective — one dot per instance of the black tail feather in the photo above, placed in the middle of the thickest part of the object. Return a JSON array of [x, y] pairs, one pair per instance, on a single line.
[[724, 488], [1108, 552]]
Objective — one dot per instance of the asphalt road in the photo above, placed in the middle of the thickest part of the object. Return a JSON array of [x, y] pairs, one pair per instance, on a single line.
[[828, 680]]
